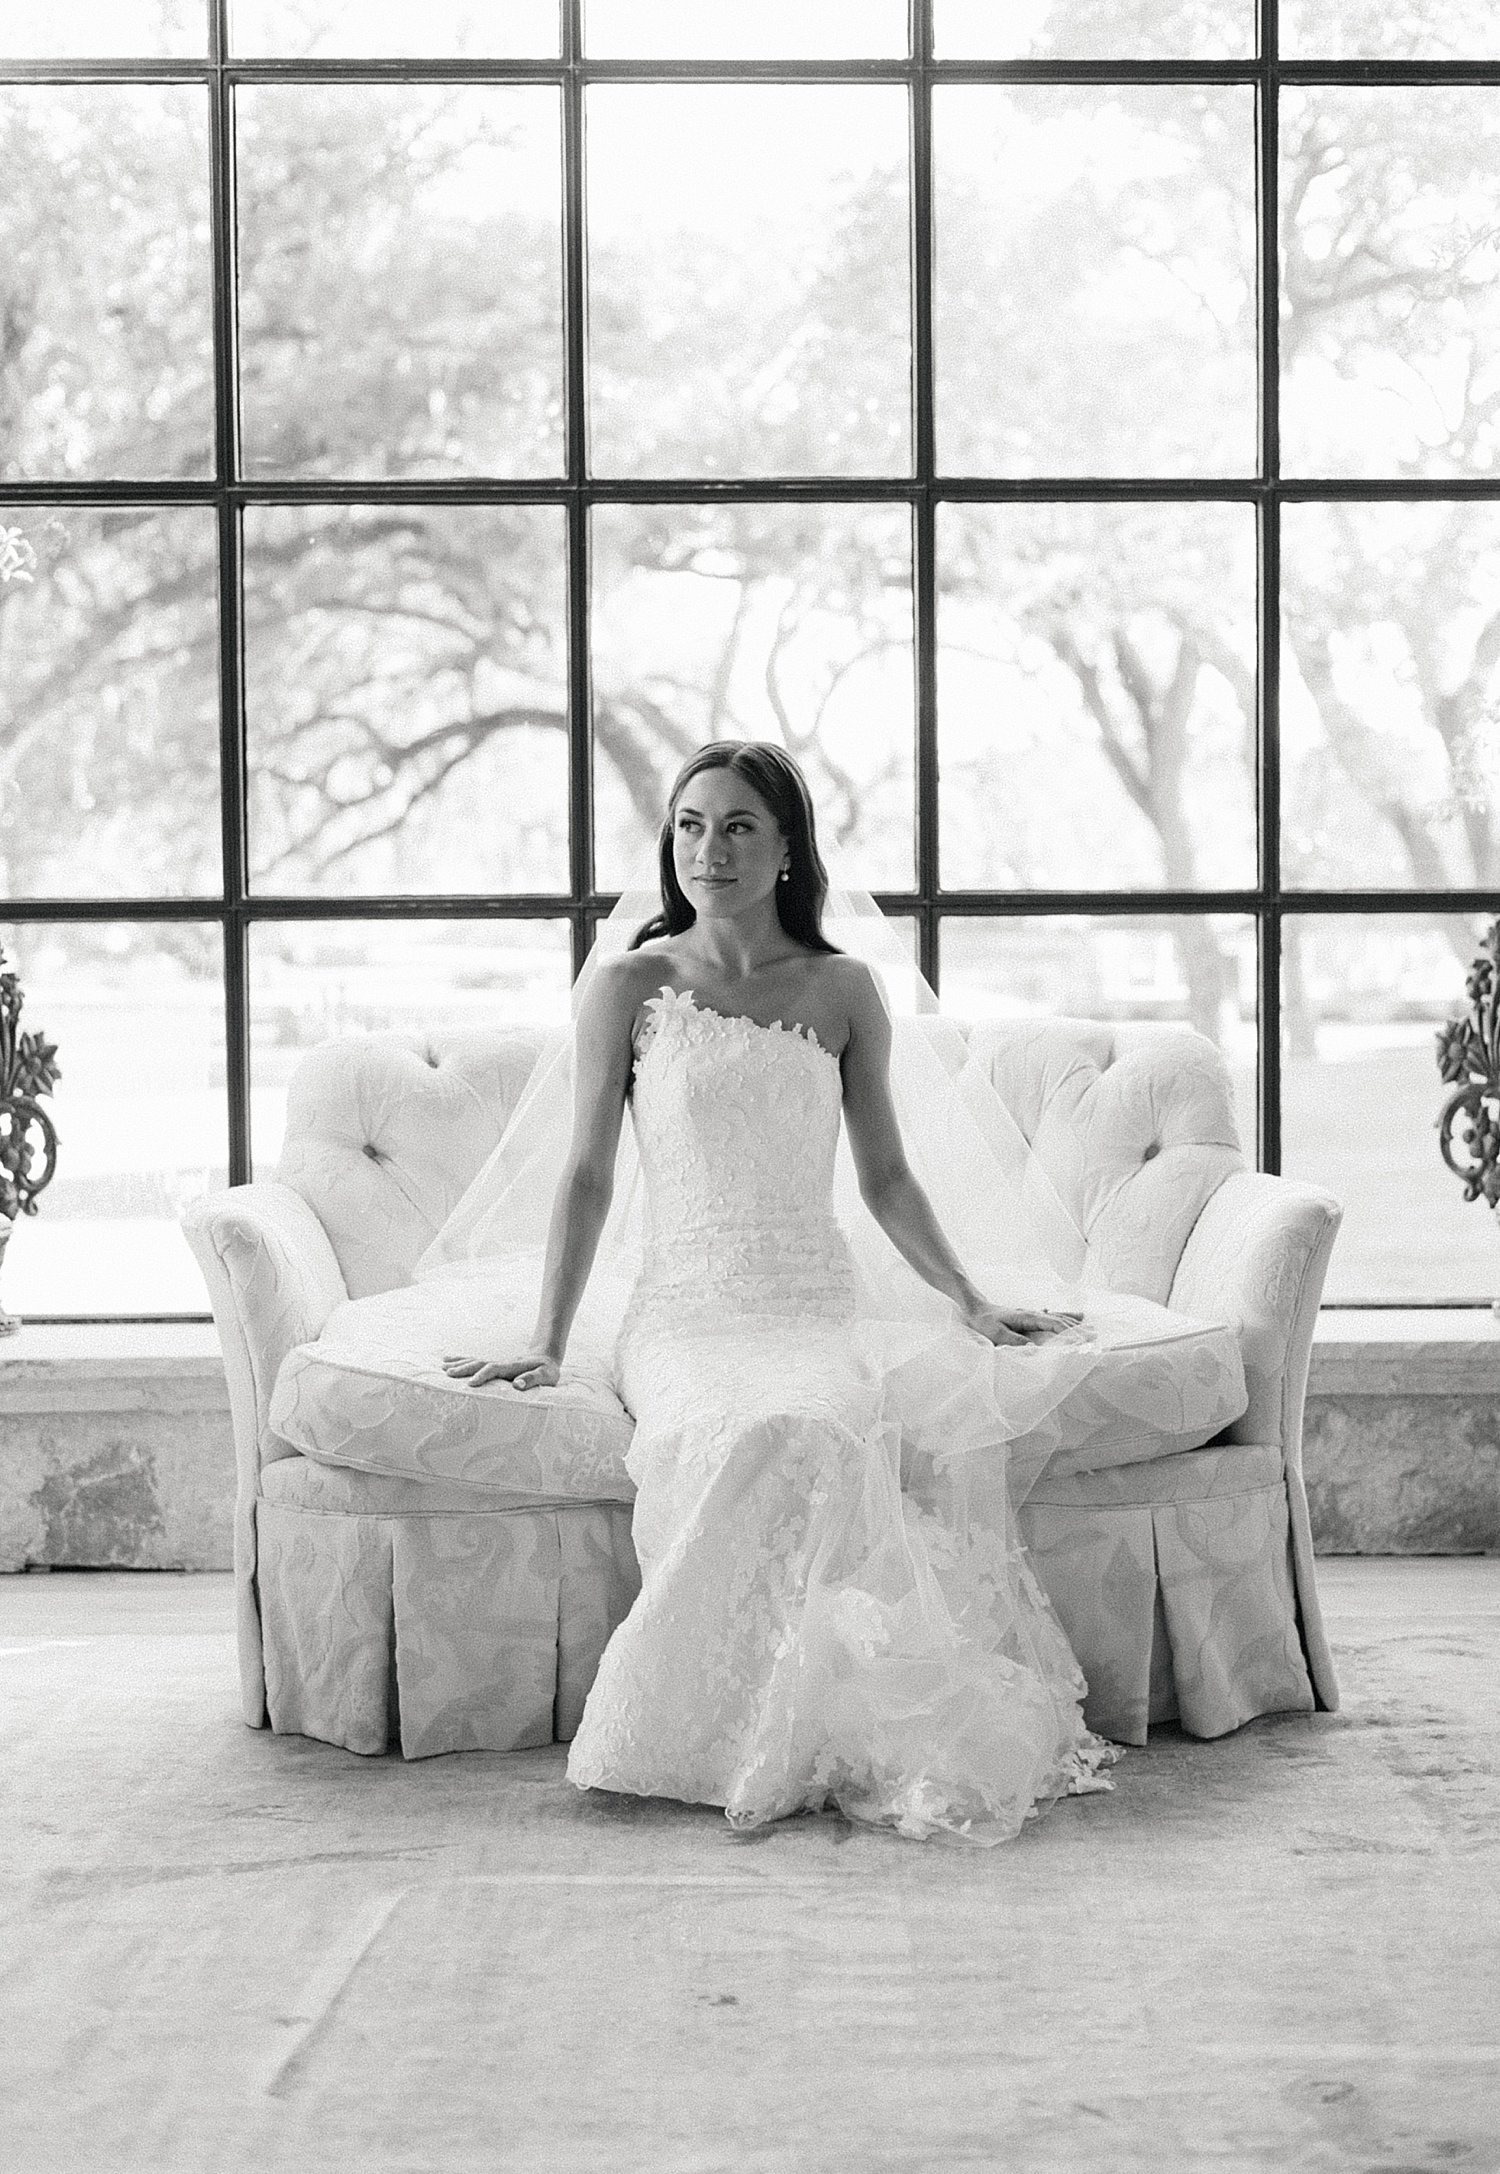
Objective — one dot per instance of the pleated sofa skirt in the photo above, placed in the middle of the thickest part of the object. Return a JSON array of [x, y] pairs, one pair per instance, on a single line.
[[467, 1629], [1175, 1582], [471, 1630]]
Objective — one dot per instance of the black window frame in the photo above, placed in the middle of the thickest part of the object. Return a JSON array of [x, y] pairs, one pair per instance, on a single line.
[[235, 910]]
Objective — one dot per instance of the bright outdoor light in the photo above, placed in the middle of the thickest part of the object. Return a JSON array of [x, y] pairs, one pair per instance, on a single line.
[[423, 423]]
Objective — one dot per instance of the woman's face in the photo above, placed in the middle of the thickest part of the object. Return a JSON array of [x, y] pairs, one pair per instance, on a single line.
[[726, 847]]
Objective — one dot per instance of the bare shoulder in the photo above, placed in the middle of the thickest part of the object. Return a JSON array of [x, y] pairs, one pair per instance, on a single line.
[[843, 1000], [649, 965], [846, 972], [851, 983], [632, 969], [621, 985]]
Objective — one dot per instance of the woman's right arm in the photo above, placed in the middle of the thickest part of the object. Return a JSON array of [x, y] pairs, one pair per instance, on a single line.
[[602, 1059]]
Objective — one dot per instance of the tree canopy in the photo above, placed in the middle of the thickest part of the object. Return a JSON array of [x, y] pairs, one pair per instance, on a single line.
[[400, 312]]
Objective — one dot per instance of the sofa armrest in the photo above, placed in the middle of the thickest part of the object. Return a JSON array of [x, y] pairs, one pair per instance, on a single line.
[[273, 1280], [1256, 1257]]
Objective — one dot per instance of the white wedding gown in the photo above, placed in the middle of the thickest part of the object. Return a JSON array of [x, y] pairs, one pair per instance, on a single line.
[[806, 1634]]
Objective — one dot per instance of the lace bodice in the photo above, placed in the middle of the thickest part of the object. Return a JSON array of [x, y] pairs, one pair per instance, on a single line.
[[737, 1126]]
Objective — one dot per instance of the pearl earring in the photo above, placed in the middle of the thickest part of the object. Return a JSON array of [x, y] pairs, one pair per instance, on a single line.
[[785, 876]]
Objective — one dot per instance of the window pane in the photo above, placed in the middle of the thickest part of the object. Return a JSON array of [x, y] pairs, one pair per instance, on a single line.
[[1096, 696], [772, 30], [1390, 322], [106, 365], [103, 29], [401, 280], [784, 623], [406, 696], [1195, 969], [443, 29], [749, 290], [1390, 704], [1360, 1097], [137, 1013], [1094, 280], [313, 980], [1389, 30], [109, 734], [1093, 29]]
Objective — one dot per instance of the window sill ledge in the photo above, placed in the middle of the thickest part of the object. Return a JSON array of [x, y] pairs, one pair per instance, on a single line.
[[106, 1366], [1412, 1352]]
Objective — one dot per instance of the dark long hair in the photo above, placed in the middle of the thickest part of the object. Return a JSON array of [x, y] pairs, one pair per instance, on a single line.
[[773, 774]]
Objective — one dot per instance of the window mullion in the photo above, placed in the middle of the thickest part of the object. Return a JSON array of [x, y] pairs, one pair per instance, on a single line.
[[580, 722], [231, 677], [924, 560], [1268, 602]]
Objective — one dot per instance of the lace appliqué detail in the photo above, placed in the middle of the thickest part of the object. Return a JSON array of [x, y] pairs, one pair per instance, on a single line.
[[804, 1635], [669, 1001], [738, 1126]]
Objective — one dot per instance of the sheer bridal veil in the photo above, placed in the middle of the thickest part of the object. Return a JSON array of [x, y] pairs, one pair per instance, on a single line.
[[989, 1191]]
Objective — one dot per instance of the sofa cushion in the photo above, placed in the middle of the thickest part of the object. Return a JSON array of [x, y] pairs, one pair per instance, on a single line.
[[1166, 1383], [371, 1395]]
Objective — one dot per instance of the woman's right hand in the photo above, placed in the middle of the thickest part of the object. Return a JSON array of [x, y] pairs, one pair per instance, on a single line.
[[1018, 1324], [537, 1370]]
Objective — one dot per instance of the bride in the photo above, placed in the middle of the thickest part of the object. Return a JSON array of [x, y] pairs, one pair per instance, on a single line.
[[809, 1632]]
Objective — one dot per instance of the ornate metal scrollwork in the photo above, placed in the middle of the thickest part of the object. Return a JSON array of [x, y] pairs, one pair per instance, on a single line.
[[28, 1137], [1468, 1057], [20, 1180]]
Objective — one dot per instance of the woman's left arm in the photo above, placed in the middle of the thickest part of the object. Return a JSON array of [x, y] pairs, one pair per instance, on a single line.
[[888, 1186]]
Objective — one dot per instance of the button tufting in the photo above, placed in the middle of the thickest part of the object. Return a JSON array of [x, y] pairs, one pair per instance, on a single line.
[[1149, 1152], [371, 1150], [430, 1056]]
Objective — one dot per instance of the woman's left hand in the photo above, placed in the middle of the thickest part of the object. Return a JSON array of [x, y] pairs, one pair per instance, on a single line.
[[1018, 1324]]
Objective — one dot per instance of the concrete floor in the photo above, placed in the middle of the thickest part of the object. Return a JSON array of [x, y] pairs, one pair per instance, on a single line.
[[230, 1950]]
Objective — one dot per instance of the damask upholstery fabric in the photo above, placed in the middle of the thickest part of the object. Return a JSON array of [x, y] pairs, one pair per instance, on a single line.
[[384, 1133], [601, 1578], [1166, 1384], [1251, 1252], [1136, 1127], [283, 1278], [1185, 1564], [371, 1394], [273, 1280], [299, 1483], [480, 1631], [1260, 1252], [327, 1624]]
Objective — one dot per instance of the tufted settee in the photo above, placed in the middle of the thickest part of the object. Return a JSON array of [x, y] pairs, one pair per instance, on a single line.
[[374, 1606]]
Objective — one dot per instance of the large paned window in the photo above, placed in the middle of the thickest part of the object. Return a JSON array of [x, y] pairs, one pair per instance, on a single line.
[[1071, 426]]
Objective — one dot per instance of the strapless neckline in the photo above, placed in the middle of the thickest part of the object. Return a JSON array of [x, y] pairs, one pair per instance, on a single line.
[[669, 1000]]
